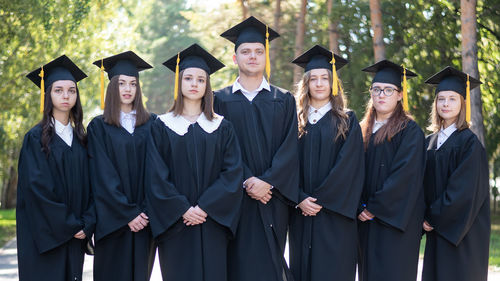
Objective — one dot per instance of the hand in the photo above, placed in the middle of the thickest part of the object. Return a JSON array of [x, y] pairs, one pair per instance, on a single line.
[[258, 189], [80, 235], [365, 216], [427, 227], [140, 222], [194, 216], [308, 207]]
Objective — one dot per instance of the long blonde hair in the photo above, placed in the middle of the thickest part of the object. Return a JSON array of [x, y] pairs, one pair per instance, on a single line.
[[436, 121], [338, 103]]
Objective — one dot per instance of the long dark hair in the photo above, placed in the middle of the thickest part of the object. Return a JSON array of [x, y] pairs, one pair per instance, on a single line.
[[48, 126], [113, 105], [338, 106], [207, 102], [396, 122]]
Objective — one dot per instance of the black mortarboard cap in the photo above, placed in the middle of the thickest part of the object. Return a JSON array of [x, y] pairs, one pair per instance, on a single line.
[[62, 68], [388, 72], [452, 79], [250, 30], [195, 56], [126, 63], [319, 57]]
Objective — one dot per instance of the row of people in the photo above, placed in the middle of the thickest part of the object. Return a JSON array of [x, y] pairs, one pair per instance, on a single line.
[[217, 182]]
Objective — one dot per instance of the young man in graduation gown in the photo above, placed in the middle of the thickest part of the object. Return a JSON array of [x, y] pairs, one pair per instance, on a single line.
[[392, 201], [55, 211], [265, 121], [124, 248], [457, 218]]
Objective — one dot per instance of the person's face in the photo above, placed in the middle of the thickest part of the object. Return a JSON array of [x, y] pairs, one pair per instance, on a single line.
[[319, 84], [251, 58], [448, 105], [63, 95], [127, 86], [385, 97], [194, 83]]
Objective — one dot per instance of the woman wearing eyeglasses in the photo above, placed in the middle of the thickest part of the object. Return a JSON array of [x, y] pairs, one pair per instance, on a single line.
[[392, 203]]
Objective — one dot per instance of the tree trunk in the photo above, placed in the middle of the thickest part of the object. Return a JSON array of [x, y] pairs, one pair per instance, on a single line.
[[299, 40], [469, 63], [9, 192], [244, 9], [378, 32], [333, 32], [275, 43]]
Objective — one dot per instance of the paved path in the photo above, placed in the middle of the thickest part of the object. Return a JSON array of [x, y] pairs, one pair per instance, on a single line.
[[8, 266]]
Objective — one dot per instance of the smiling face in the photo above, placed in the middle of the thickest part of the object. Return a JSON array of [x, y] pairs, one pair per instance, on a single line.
[[194, 83], [448, 105], [319, 85], [251, 58], [382, 103], [127, 86], [63, 95]]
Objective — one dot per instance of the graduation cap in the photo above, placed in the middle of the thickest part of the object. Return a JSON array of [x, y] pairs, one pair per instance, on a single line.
[[252, 30], [318, 57], [388, 72], [452, 79], [192, 56], [61, 68], [126, 63]]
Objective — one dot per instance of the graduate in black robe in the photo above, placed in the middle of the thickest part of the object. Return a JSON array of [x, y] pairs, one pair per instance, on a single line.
[[196, 176], [392, 203], [124, 246], [55, 211], [323, 228], [457, 218], [265, 122]]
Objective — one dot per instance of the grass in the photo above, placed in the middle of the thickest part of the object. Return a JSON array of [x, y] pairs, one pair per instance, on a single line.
[[7, 225]]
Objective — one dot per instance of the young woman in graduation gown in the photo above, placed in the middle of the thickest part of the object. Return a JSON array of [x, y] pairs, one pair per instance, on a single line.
[[392, 202], [117, 146], [457, 218], [55, 210], [323, 228], [196, 176]]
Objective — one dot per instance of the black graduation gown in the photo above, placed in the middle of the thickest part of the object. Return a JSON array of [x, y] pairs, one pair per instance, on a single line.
[[393, 192], [267, 132], [198, 168], [324, 247], [54, 202], [458, 207], [117, 173]]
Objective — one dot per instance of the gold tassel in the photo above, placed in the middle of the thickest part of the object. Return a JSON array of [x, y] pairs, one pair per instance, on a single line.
[[335, 78], [176, 82], [467, 101], [102, 85], [268, 61], [42, 87], [405, 91]]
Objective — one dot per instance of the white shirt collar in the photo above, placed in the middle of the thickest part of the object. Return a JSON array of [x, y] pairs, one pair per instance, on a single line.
[[250, 95], [444, 134], [315, 114], [180, 125], [127, 120], [378, 124], [64, 131]]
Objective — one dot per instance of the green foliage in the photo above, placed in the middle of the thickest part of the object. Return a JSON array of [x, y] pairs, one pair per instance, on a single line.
[[7, 225]]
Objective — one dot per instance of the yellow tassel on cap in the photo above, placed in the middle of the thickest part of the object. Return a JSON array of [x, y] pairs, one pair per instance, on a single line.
[[405, 91], [176, 82], [268, 60], [467, 101], [335, 78], [102, 84], [42, 88]]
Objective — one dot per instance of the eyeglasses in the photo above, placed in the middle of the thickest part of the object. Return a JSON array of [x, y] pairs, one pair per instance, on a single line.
[[387, 91]]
